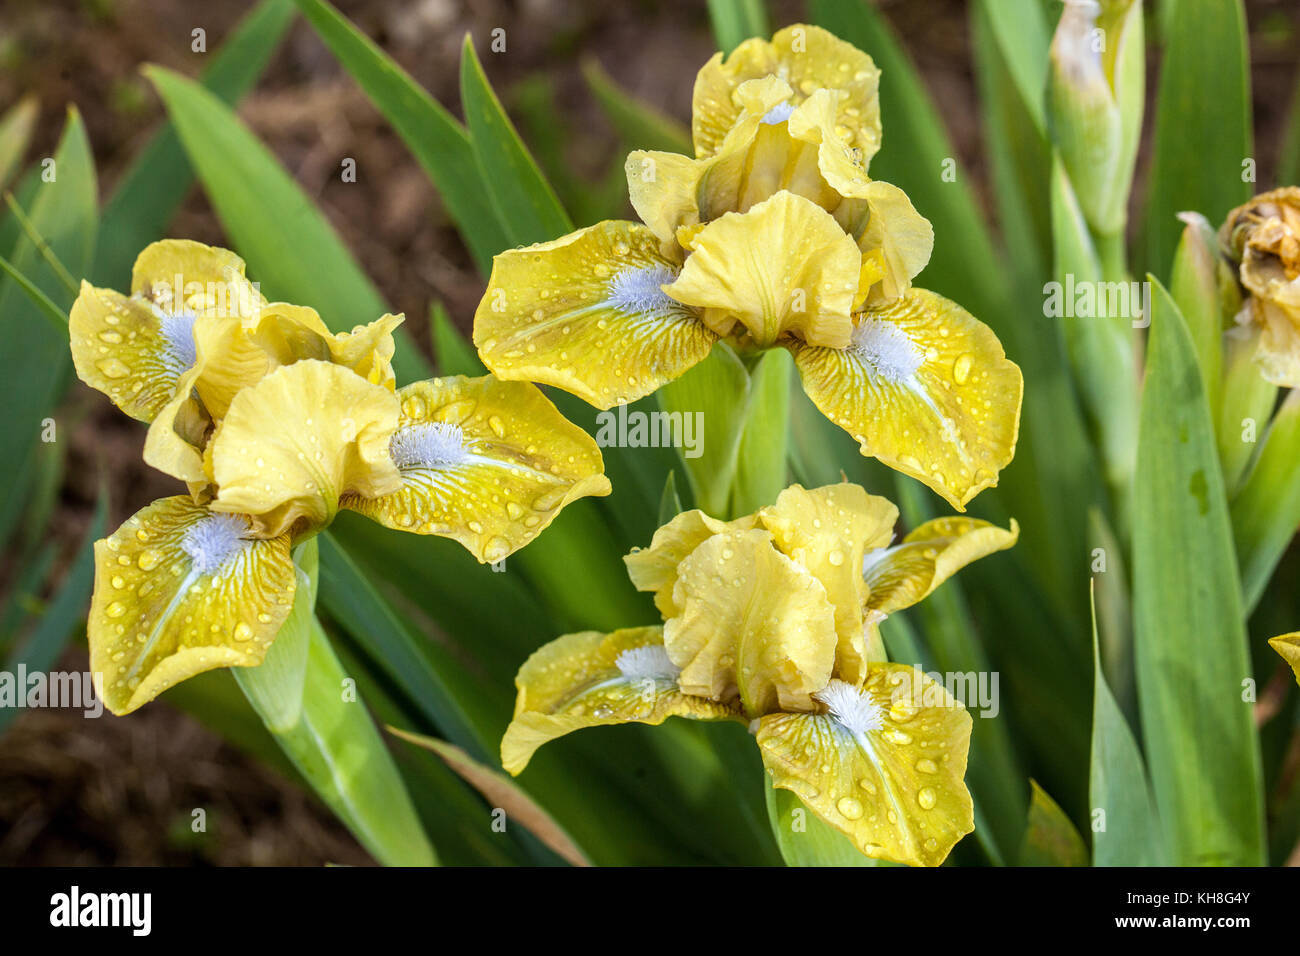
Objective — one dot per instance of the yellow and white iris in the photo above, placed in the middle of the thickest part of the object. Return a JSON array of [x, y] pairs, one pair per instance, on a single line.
[[276, 423], [772, 620], [772, 235]]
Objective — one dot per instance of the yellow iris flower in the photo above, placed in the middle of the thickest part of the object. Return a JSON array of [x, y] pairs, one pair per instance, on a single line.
[[772, 620], [276, 423], [772, 235]]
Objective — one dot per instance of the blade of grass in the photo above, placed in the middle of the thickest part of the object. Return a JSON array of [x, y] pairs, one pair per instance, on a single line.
[[439, 143], [1127, 833], [16, 128], [735, 21], [525, 203], [639, 126], [1203, 139], [1191, 657]]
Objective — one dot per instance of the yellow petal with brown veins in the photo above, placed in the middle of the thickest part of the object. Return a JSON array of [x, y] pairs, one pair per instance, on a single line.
[[752, 622], [927, 389], [180, 590], [485, 462], [588, 314], [901, 576], [300, 439], [828, 530], [591, 679], [783, 268], [884, 765]]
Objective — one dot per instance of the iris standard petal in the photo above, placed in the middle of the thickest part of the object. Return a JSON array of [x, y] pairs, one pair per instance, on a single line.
[[486, 462], [785, 267], [655, 568], [300, 439], [591, 679], [808, 58], [180, 590], [927, 389], [752, 622], [588, 314], [884, 765], [827, 531]]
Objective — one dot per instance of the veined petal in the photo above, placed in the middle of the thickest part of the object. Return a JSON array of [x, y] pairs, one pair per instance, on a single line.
[[588, 313], [655, 568], [486, 462], [180, 590], [785, 267], [135, 349], [300, 439], [902, 575], [592, 679], [927, 389], [752, 622], [827, 530], [884, 765], [1288, 645], [126, 349], [808, 58]]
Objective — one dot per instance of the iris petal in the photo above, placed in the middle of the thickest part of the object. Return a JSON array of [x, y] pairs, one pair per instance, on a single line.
[[927, 389], [485, 462], [180, 590], [293, 444], [591, 679], [885, 766], [588, 314]]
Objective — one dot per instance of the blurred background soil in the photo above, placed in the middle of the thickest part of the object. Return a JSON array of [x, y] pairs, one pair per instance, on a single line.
[[122, 791]]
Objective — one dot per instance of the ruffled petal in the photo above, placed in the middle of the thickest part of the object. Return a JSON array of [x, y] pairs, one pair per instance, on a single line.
[[827, 530], [588, 314], [901, 576], [927, 389], [592, 679], [1288, 645], [295, 443], [808, 58], [485, 462], [290, 333], [655, 568], [884, 766], [752, 622], [183, 277], [180, 590], [785, 267]]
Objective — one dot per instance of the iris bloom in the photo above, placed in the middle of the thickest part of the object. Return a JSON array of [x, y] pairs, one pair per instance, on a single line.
[[772, 235], [276, 423], [772, 620], [1264, 237]]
